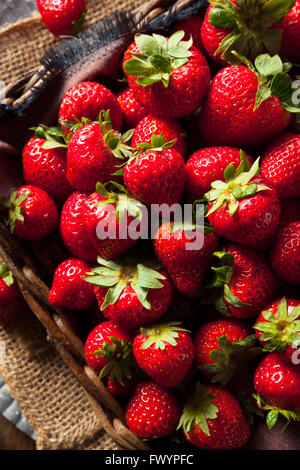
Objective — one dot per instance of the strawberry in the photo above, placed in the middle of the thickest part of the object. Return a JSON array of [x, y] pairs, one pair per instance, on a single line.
[[213, 419], [130, 294], [191, 27], [62, 17], [245, 208], [72, 229], [133, 112], [159, 417], [68, 288], [207, 165], [278, 326], [165, 352], [185, 265], [290, 211], [86, 100], [45, 164], [156, 175], [123, 390], [243, 26], [245, 281], [32, 213], [95, 151], [291, 34], [11, 299], [107, 215], [223, 347], [167, 127], [245, 106], [167, 75], [281, 165], [277, 381], [285, 253]]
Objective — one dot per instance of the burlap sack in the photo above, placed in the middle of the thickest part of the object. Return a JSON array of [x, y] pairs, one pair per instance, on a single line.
[[47, 391]]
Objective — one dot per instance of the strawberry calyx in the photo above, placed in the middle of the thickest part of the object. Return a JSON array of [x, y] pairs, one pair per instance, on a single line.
[[161, 334], [237, 186], [53, 136], [15, 208], [78, 24], [251, 24], [198, 410], [117, 275], [274, 413], [231, 359], [6, 275], [159, 56], [191, 224], [114, 140], [278, 332]]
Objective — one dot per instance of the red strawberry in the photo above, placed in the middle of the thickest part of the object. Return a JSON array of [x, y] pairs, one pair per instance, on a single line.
[[62, 17], [133, 112], [72, 229], [291, 34], [153, 411], [130, 294], [222, 349], [168, 127], [11, 299], [69, 289], [236, 112], [86, 100], [157, 174], [285, 253], [185, 265], [107, 216], [169, 76], [208, 165], [94, 153], [121, 390], [290, 211], [245, 280], [46, 168], [165, 352], [191, 27], [245, 208], [213, 419], [278, 326], [281, 165], [244, 27], [32, 213]]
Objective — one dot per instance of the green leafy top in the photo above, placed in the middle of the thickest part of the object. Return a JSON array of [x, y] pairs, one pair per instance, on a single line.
[[116, 276], [273, 414], [54, 137], [278, 332], [237, 186], [15, 208], [251, 24], [198, 410], [6, 275], [158, 57], [161, 334]]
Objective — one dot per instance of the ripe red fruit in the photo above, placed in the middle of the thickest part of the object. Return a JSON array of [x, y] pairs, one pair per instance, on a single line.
[[62, 17], [191, 27], [157, 175], [230, 115], [165, 352], [213, 419], [167, 127], [285, 253], [72, 229], [86, 100], [185, 266], [153, 411], [11, 299], [278, 326], [68, 288], [291, 34], [121, 390], [223, 347], [32, 213], [107, 345], [46, 168], [133, 112], [208, 165], [281, 165], [130, 294], [170, 76], [245, 208]]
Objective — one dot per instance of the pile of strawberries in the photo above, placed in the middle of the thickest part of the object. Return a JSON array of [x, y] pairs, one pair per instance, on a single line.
[[229, 141]]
